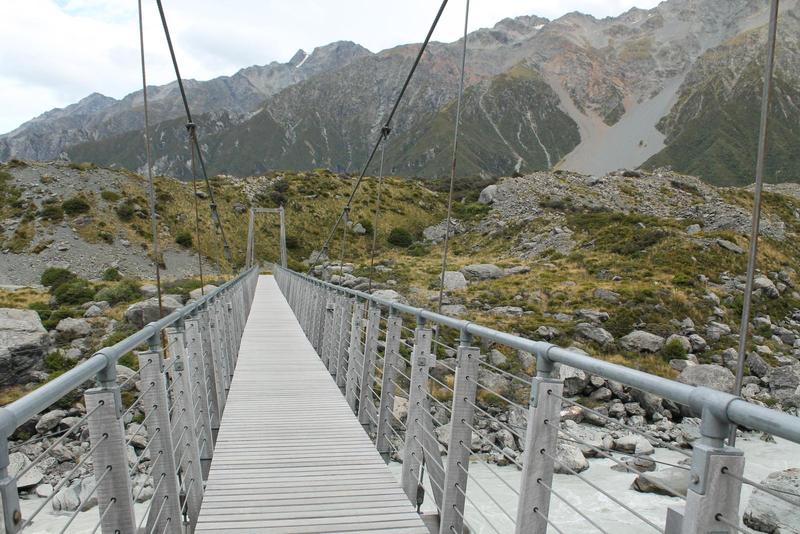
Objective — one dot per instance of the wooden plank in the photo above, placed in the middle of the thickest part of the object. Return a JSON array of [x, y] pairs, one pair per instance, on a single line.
[[290, 455]]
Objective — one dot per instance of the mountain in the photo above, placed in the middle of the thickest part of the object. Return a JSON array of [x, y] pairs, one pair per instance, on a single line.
[[669, 86], [99, 117]]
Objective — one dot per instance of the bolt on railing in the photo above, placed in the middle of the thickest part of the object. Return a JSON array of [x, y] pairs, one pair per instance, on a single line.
[[354, 360], [174, 435]]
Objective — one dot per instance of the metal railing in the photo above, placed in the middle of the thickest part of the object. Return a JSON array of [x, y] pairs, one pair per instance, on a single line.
[[375, 357], [157, 444]]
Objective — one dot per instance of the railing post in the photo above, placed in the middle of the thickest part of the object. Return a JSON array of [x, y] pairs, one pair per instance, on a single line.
[[342, 348], [165, 511], [194, 351], [110, 458], [327, 330], [10, 512], [184, 417], [217, 361], [458, 447], [211, 371], [715, 482], [354, 352], [391, 362], [540, 448], [366, 403], [317, 332], [421, 362]]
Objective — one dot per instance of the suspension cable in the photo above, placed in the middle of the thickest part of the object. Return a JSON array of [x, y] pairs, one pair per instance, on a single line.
[[376, 219], [148, 152], [385, 130], [454, 160], [192, 129]]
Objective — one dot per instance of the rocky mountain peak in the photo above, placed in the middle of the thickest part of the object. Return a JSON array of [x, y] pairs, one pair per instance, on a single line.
[[298, 58]]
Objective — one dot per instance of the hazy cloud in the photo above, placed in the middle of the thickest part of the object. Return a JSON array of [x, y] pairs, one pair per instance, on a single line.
[[56, 52]]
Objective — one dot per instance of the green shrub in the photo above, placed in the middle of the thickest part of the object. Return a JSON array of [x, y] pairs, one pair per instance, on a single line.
[[55, 362], [53, 277], [281, 186], [418, 250], [124, 291], [51, 212], [51, 318], [184, 239], [292, 243], [105, 236], [400, 237], [85, 166], [110, 196], [682, 279], [75, 205], [77, 291], [125, 211], [367, 224], [111, 275], [674, 350]]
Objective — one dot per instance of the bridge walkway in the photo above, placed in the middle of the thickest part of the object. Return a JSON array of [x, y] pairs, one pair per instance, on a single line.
[[290, 455]]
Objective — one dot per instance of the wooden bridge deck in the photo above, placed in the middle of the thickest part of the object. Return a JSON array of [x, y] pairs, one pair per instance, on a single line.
[[291, 456]]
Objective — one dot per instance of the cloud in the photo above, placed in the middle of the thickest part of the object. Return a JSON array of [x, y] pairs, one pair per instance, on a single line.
[[66, 49]]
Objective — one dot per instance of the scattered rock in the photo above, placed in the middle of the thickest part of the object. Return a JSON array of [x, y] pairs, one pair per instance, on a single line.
[[641, 341], [569, 456], [708, 375], [488, 194], [765, 513], [727, 245], [513, 311], [607, 295], [195, 294], [49, 421], [674, 478], [23, 345], [70, 328], [594, 333], [18, 462], [454, 280], [146, 311], [482, 271], [390, 295]]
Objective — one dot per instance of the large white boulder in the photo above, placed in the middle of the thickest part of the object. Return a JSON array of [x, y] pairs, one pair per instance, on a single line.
[[23, 345]]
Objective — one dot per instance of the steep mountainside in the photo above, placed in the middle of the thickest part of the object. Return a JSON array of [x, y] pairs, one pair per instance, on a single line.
[[98, 117], [576, 93], [713, 129]]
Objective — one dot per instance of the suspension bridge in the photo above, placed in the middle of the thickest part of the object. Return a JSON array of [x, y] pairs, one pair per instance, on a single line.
[[268, 405]]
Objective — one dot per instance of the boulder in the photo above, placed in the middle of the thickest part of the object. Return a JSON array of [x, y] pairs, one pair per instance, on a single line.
[[454, 310], [569, 455], [698, 343], [70, 328], [16, 463], [715, 330], [606, 295], [518, 269], [641, 341], [390, 295], [49, 421], [595, 316], [488, 194], [633, 444], [454, 280], [727, 245], [93, 311], [674, 478], [437, 232], [601, 336], [766, 286], [708, 375], [758, 367], [575, 380], [784, 381], [482, 271], [358, 229], [68, 498], [146, 311], [195, 294], [765, 513], [23, 345], [400, 409], [513, 311], [497, 358]]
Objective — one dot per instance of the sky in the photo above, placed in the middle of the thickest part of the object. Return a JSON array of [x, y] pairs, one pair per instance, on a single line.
[[55, 52]]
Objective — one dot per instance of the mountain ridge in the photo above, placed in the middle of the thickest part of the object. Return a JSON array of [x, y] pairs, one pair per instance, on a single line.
[[619, 80]]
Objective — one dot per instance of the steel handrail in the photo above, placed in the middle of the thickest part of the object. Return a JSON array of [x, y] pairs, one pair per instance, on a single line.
[[723, 405], [22, 409]]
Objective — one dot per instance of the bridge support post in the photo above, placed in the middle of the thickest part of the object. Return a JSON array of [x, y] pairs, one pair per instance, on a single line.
[[318, 317], [391, 362], [199, 383], [715, 484], [366, 402], [186, 432], [344, 334], [165, 510], [355, 354], [211, 370], [217, 359], [540, 448], [421, 362], [110, 460], [458, 447], [327, 329]]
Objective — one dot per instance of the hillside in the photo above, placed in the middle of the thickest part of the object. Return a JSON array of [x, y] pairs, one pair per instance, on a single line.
[[673, 85], [569, 257]]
